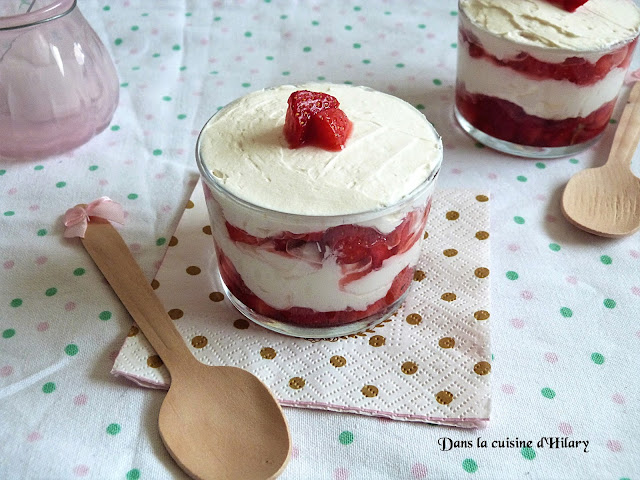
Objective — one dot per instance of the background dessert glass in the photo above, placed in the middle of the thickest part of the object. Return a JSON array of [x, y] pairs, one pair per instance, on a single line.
[[315, 276], [532, 100], [58, 85]]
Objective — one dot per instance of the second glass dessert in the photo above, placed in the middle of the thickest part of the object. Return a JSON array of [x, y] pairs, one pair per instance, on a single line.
[[315, 242], [537, 81]]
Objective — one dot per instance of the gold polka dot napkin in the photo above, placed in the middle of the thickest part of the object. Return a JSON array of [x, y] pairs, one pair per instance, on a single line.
[[429, 362]]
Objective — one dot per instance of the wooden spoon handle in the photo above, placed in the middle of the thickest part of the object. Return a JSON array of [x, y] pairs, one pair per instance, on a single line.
[[627, 133], [113, 258]]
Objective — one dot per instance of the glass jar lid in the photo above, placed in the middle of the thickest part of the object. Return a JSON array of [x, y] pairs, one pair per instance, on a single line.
[[25, 13]]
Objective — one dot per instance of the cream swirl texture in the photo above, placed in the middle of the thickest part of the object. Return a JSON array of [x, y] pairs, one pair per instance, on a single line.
[[596, 25], [392, 150]]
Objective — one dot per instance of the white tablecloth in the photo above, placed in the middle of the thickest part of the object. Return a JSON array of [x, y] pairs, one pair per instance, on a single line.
[[566, 305]]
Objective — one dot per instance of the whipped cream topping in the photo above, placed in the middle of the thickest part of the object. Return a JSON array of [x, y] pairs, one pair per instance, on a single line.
[[392, 150], [596, 25]]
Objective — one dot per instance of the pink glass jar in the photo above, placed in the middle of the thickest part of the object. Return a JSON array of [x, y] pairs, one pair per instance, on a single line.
[[58, 85]]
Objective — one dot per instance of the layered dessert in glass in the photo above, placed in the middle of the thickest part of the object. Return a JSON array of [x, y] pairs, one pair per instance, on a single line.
[[538, 80], [312, 238]]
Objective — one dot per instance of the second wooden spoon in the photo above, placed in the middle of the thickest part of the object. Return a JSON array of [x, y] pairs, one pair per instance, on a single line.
[[606, 200], [216, 422]]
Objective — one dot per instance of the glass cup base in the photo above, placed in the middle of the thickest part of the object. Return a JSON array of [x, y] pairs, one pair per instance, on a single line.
[[311, 332], [520, 150]]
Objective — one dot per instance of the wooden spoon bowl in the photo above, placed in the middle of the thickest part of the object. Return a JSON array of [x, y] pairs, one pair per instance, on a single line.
[[605, 201], [222, 422], [216, 422]]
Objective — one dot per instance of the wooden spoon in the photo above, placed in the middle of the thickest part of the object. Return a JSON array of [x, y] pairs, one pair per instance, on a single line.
[[216, 422], [606, 200]]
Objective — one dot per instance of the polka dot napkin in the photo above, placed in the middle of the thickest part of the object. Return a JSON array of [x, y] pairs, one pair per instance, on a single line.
[[430, 362]]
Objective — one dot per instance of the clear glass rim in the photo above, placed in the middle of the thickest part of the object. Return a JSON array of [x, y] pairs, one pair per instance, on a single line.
[[365, 215], [52, 11], [553, 50]]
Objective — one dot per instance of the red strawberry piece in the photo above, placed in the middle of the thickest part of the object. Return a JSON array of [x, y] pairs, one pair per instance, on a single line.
[[399, 285], [351, 254], [351, 243], [351, 250], [302, 104], [312, 102], [475, 48], [352, 277], [312, 236], [260, 306], [379, 253], [332, 236], [400, 234], [329, 129], [310, 318], [568, 5], [230, 275], [313, 118], [355, 271], [280, 244], [238, 235]]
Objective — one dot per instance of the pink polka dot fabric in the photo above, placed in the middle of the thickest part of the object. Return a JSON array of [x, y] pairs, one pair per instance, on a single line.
[[565, 336]]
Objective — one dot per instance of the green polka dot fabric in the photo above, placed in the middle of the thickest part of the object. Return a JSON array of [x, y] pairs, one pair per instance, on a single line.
[[565, 335]]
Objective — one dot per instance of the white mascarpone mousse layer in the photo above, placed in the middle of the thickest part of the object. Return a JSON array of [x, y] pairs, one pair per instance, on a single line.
[[550, 99], [391, 151], [549, 33]]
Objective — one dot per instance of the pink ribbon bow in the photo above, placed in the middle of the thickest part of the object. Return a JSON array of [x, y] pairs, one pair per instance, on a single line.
[[77, 218]]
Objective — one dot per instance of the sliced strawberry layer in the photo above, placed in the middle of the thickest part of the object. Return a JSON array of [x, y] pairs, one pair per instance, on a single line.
[[307, 317], [568, 5], [313, 118], [506, 121], [239, 235], [574, 69], [357, 249]]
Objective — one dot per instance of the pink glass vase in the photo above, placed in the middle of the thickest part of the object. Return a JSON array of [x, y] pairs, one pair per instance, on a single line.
[[58, 85]]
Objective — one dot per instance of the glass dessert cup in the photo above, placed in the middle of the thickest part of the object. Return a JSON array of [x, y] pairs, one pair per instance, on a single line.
[[315, 276], [58, 85], [531, 101]]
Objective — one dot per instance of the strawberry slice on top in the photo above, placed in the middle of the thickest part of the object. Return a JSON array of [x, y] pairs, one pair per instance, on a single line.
[[329, 129], [313, 118], [568, 5]]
